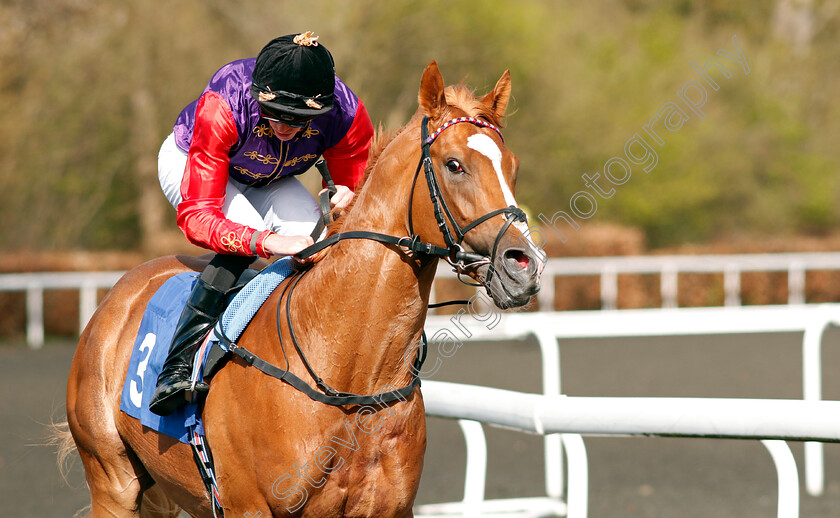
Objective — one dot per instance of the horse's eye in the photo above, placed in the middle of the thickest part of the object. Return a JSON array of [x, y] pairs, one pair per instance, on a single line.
[[454, 166]]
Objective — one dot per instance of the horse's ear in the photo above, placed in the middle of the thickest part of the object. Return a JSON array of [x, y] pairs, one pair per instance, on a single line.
[[431, 98], [497, 100]]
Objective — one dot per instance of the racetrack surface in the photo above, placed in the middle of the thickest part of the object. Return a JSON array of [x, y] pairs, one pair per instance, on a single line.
[[628, 477]]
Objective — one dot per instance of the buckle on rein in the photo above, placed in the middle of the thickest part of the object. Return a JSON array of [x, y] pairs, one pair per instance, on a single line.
[[415, 245]]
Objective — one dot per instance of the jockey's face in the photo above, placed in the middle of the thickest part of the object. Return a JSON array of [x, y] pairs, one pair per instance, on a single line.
[[283, 131]]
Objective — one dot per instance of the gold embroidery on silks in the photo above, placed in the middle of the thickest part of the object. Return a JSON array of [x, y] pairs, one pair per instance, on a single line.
[[265, 159], [263, 131], [250, 174], [296, 160], [309, 132], [232, 242]]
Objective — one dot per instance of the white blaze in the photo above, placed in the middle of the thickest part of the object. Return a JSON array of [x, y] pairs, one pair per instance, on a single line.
[[487, 147]]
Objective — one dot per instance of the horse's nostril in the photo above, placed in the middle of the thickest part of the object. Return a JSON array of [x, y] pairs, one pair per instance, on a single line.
[[519, 258]]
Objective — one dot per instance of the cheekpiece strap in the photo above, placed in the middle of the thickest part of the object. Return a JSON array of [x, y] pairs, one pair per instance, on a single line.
[[472, 120]]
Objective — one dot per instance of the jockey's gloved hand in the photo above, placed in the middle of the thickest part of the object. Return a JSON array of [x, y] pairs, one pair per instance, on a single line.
[[342, 198], [276, 244]]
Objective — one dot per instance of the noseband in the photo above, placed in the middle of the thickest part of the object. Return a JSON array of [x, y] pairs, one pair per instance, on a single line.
[[453, 252]]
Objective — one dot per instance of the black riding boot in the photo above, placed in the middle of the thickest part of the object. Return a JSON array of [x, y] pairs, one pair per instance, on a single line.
[[204, 306]]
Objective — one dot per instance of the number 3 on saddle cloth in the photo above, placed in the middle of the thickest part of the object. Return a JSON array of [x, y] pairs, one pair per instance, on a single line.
[[157, 329]]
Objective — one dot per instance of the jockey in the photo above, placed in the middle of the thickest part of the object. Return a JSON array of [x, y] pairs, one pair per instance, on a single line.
[[228, 168]]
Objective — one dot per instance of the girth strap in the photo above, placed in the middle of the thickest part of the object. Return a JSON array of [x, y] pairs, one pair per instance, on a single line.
[[334, 398], [206, 469]]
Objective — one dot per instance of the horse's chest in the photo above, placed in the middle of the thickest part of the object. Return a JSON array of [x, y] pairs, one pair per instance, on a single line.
[[365, 471]]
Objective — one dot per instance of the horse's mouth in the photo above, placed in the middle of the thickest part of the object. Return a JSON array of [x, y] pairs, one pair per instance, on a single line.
[[509, 302], [514, 277]]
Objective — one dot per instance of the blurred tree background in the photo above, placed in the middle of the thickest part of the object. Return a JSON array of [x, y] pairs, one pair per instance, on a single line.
[[89, 89]]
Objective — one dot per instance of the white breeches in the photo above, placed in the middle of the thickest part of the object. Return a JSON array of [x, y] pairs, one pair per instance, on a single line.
[[284, 206]]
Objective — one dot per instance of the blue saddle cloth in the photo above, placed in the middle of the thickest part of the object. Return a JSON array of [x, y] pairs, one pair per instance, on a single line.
[[155, 335]]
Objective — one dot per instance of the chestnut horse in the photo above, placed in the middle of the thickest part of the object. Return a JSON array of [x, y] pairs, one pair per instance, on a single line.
[[277, 452]]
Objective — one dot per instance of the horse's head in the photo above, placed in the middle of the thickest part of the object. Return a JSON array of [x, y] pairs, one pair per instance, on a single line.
[[470, 177]]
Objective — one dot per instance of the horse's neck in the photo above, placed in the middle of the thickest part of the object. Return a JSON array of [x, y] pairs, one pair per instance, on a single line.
[[367, 301]]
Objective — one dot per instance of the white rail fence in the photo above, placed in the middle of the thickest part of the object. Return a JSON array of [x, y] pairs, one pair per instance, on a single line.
[[771, 421], [606, 268], [561, 419], [34, 285]]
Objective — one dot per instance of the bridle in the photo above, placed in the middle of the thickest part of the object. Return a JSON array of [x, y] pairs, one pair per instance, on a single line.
[[453, 252], [457, 257]]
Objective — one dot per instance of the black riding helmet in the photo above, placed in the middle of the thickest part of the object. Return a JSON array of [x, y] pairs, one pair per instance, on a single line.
[[294, 78]]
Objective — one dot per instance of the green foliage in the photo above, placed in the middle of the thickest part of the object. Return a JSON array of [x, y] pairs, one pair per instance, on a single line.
[[587, 76]]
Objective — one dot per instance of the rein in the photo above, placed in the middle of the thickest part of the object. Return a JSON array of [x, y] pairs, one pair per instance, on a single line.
[[453, 253]]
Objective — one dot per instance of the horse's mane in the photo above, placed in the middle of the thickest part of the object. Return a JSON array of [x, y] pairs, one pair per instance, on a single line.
[[459, 98]]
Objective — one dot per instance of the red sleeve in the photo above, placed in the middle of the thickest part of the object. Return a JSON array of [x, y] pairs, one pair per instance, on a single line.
[[200, 214], [347, 159]]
